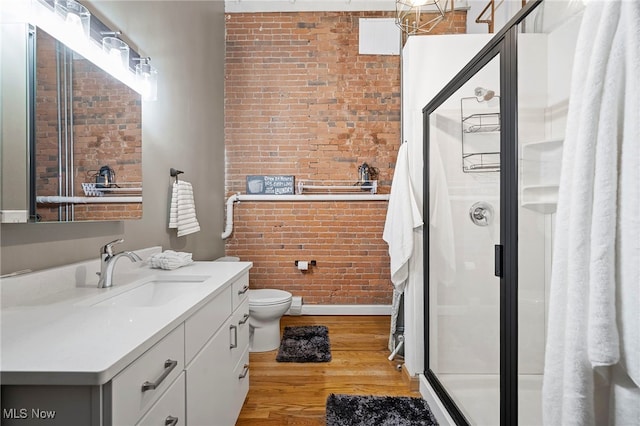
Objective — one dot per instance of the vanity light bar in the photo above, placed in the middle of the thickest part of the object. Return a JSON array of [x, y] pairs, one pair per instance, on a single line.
[[44, 16]]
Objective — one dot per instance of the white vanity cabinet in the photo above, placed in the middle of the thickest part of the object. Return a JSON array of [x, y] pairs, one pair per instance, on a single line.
[[195, 374], [218, 375]]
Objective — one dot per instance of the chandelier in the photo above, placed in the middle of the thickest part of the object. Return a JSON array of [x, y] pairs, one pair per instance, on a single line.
[[419, 16]]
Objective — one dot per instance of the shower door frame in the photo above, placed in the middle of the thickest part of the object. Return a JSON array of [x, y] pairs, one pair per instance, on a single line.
[[504, 43]]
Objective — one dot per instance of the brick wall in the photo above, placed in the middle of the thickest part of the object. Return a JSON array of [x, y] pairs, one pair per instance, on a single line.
[[300, 100], [106, 130]]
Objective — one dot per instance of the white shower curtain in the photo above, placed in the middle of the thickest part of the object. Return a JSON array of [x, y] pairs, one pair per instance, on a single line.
[[592, 359]]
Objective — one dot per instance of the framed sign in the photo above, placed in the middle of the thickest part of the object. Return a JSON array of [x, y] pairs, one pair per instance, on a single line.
[[270, 185]]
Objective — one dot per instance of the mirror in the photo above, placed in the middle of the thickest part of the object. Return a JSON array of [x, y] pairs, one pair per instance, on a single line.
[[86, 139]]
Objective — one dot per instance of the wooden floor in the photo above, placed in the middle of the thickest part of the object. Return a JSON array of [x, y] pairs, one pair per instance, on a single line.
[[295, 393]]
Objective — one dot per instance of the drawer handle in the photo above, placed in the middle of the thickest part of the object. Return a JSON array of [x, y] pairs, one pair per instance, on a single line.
[[244, 319], [244, 290], [171, 421], [169, 365], [244, 372], [234, 343]]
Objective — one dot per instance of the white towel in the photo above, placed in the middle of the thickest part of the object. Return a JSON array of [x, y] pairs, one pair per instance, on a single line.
[[182, 213], [173, 210], [403, 216], [170, 259], [596, 253], [568, 385], [628, 248]]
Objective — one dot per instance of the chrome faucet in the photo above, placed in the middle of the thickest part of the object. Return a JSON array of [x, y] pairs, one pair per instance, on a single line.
[[108, 262]]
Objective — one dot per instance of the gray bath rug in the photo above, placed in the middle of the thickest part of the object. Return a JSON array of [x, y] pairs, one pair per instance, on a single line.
[[308, 343], [354, 410]]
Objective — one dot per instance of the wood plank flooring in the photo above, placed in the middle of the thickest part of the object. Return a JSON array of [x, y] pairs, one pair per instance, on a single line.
[[286, 394]]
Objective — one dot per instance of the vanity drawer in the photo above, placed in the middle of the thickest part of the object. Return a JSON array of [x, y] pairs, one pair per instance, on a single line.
[[169, 409], [134, 390], [240, 289], [205, 322]]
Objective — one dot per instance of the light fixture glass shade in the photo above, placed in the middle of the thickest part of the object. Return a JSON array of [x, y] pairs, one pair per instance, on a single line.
[[147, 78], [77, 17], [419, 16], [117, 50]]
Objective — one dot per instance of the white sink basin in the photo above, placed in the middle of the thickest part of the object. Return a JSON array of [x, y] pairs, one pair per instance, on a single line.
[[157, 291]]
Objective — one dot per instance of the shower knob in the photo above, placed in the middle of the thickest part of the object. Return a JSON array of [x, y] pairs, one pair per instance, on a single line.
[[481, 213]]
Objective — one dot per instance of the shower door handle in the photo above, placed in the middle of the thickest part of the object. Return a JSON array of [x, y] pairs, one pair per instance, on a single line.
[[498, 260]]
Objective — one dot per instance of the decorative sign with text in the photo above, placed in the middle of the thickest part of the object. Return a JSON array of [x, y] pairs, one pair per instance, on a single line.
[[270, 185]]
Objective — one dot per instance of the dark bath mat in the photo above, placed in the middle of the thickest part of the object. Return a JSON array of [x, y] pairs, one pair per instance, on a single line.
[[353, 410], [308, 343]]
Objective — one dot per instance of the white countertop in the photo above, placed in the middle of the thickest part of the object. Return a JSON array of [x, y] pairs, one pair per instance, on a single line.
[[62, 341]]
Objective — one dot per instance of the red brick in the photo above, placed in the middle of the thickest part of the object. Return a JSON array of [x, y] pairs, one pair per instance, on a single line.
[[300, 100]]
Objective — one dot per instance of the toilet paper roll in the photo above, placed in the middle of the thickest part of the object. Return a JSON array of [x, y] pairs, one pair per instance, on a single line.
[[303, 265]]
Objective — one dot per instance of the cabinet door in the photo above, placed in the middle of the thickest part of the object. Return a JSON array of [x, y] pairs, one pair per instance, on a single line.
[[169, 409], [208, 382], [204, 323]]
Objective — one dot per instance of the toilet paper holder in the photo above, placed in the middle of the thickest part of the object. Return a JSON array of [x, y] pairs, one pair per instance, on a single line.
[[310, 263]]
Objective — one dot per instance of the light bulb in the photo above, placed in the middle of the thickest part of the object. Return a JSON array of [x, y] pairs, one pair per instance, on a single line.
[[114, 56], [147, 77]]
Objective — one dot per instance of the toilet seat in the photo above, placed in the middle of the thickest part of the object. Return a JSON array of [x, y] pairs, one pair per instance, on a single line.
[[268, 297]]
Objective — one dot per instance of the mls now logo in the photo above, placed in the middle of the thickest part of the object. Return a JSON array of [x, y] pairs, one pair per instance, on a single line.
[[24, 413]]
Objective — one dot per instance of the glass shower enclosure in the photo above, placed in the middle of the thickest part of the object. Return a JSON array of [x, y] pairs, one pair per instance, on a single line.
[[492, 149]]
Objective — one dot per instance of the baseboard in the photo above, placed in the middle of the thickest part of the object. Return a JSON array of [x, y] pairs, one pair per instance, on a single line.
[[437, 408], [346, 310], [412, 381]]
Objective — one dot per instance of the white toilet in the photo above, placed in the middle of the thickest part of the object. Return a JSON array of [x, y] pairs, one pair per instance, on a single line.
[[266, 307]]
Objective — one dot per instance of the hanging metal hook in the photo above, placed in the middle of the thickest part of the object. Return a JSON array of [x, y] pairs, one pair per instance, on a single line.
[[175, 172]]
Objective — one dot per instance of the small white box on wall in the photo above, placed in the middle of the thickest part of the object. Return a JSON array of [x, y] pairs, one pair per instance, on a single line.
[[14, 216], [378, 36]]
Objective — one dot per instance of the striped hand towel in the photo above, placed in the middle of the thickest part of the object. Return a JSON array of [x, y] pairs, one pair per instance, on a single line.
[[182, 213]]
